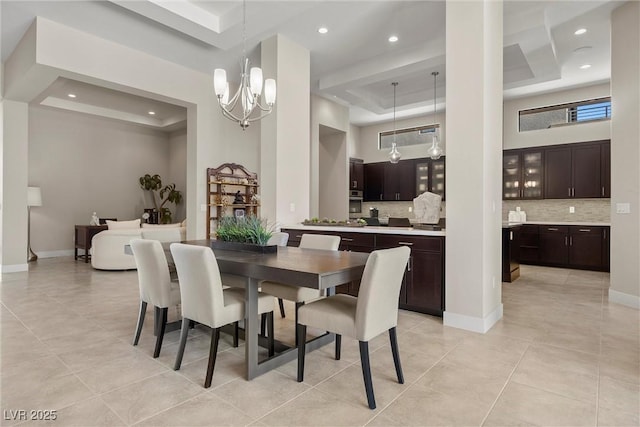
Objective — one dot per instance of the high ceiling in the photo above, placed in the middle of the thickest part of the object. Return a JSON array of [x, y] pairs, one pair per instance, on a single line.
[[354, 63]]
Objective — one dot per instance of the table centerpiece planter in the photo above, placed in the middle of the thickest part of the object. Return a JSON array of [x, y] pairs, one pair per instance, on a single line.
[[248, 234], [244, 247]]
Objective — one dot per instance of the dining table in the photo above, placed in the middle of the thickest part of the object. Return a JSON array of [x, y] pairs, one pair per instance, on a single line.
[[310, 268]]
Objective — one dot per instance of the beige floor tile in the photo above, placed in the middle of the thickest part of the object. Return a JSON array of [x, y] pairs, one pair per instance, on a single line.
[[422, 406], [229, 367], [614, 418], [148, 397], [88, 413], [620, 396], [414, 365], [97, 354], [625, 369], [260, 395], [315, 408], [528, 405], [203, 410], [318, 367]]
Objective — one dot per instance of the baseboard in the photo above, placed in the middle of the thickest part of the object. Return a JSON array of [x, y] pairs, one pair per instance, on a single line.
[[474, 324], [14, 268], [629, 300], [55, 254]]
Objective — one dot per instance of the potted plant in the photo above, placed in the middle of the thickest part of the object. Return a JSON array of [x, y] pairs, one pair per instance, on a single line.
[[248, 233], [166, 194]]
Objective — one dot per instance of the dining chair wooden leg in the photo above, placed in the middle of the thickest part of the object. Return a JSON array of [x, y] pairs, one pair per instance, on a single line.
[[396, 355], [236, 333], [263, 324], [281, 304], [366, 373], [298, 305], [163, 325], [183, 342], [338, 345], [301, 335], [213, 351], [270, 332], [143, 312]]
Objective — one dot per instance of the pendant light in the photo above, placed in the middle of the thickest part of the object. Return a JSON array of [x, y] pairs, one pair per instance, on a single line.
[[248, 92], [435, 151], [394, 154]]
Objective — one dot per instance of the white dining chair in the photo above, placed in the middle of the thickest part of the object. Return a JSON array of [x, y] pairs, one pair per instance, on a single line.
[[156, 287], [298, 294], [205, 301], [373, 312]]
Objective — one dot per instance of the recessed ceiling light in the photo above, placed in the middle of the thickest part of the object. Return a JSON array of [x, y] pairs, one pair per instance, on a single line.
[[71, 95], [152, 113], [580, 31], [585, 66], [393, 39], [323, 30]]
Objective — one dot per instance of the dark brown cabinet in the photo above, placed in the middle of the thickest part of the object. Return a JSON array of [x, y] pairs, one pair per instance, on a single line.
[[385, 181], [430, 176], [522, 173], [510, 253], [580, 247], [356, 174], [605, 164], [423, 284], [574, 171], [422, 288]]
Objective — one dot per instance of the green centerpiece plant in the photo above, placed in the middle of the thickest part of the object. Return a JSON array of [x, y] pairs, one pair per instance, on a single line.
[[249, 229]]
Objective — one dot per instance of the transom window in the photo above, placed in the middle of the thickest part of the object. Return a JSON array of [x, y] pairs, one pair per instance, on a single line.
[[420, 135], [564, 114]]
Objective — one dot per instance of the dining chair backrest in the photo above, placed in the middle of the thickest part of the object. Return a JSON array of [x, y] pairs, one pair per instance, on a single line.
[[278, 238], [377, 306], [153, 272], [200, 283], [169, 234], [320, 241]]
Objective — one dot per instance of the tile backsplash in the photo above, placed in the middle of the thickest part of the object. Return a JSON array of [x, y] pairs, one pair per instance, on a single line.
[[596, 210]]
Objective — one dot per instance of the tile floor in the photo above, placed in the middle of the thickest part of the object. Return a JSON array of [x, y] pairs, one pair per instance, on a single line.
[[562, 355]]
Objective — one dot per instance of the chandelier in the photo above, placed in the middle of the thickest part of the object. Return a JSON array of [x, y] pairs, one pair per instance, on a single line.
[[435, 151], [394, 154], [247, 97]]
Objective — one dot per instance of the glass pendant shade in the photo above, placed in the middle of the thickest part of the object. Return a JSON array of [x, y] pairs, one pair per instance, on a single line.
[[394, 154], [270, 91], [220, 82], [255, 80], [435, 152]]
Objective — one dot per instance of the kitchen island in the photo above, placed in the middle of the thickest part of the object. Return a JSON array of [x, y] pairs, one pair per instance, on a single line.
[[423, 284]]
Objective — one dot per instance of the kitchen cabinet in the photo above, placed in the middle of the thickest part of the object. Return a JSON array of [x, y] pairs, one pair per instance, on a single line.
[[399, 181], [522, 173], [373, 182], [510, 253], [573, 171], [430, 176], [385, 181], [422, 288], [605, 164], [579, 247], [423, 285], [356, 174]]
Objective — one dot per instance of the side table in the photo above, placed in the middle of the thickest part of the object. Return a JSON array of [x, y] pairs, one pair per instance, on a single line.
[[83, 236]]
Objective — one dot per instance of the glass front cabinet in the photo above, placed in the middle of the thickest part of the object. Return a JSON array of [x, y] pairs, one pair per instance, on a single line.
[[430, 176], [522, 174]]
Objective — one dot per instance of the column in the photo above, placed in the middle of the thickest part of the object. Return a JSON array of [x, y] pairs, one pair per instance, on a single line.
[[625, 155], [284, 137], [474, 164]]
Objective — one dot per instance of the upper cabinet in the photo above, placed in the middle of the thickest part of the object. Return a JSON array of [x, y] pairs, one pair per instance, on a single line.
[[373, 182], [576, 171], [356, 174], [522, 172], [430, 176], [385, 181], [557, 172]]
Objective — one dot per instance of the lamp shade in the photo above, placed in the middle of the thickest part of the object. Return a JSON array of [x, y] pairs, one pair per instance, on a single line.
[[270, 91], [34, 196], [219, 81]]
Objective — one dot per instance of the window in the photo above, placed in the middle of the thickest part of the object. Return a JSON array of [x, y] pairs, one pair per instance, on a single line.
[[420, 135], [564, 114]]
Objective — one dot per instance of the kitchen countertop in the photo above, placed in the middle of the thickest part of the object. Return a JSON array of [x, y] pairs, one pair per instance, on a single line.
[[369, 229], [578, 223]]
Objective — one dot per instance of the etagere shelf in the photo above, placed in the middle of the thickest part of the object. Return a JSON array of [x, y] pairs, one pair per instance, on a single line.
[[223, 185]]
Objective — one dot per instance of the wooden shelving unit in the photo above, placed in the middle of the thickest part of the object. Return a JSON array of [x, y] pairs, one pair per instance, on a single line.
[[223, 183]]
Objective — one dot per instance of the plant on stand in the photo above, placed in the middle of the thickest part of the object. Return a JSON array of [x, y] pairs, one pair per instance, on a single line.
[[161, 196]]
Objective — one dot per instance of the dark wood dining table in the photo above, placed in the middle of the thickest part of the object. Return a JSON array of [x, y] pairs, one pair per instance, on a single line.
[[310, 268]]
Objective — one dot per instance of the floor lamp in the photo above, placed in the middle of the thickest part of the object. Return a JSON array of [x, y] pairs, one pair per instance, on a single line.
[[34, 198]]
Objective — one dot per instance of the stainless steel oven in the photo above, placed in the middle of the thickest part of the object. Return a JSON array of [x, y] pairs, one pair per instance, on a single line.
[[355, 201]]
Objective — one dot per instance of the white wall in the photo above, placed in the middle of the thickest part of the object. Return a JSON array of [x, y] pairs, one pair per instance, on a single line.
[[86, 164], [368, 140], [177, 173], [558, 135], [333, 176]]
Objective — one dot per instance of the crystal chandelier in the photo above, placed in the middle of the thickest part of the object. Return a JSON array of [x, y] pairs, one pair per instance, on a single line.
[[249, 91], [394, 154], [435, 151]]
